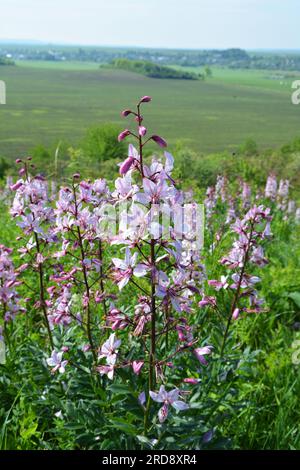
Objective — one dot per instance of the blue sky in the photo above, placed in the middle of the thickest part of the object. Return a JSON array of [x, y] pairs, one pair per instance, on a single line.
[[251, 24]]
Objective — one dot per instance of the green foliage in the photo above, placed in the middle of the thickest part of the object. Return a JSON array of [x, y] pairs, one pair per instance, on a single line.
[[249, 148], [100, 144], [6, 61], [149, 69], [4, 166]]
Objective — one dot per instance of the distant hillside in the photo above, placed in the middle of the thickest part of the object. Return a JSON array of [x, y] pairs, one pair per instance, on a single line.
[[149, 69]]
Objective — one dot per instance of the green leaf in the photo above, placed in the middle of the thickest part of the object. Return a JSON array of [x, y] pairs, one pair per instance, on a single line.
[[295, 296], [123, 426], [120, 389]]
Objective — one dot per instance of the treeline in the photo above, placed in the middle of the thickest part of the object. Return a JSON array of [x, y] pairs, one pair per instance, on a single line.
[[149, 69], [232, 58], [6, 61]]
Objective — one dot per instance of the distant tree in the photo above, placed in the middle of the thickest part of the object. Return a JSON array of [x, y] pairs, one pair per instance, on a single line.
[[208, 72], [4, 166], [41, 157], [249, 147], [101, 144], [6, 61], [150, 69]]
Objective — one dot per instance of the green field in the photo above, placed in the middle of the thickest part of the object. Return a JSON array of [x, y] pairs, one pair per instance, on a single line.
[[47, 102]]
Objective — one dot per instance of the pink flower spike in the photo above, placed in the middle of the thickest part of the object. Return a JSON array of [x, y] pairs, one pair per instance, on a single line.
[[123, 135], [137, 366], [159, 141], [126, 165], [236, 313], [142, 131], [145, 99]]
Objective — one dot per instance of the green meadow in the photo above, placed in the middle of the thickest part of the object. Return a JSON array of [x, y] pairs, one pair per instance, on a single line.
[[49, 101]]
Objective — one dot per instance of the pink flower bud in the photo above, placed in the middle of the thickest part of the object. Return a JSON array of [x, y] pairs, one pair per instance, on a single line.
[[16, 186], [142, 131], [236, 313], [126, 165], [139, 119], [145, 99], [126, 112], [159, 140], [192, 381], [23, 267], [22, 172], [123, 135], [76, 176], [137, 366], [18, 160]]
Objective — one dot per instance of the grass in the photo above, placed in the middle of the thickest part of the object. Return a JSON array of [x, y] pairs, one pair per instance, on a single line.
[[47, 102]]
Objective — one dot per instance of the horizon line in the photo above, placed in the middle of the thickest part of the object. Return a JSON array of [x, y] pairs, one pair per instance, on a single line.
[[36, 42]]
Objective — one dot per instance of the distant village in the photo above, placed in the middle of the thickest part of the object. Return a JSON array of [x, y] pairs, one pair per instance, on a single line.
[[232, 58]]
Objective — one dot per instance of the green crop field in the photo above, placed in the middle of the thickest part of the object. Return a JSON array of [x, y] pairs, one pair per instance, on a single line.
[[47, 102]]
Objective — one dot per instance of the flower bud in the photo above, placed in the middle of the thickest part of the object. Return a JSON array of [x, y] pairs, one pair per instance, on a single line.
[[145, 99], [123, 135], [142, 131], [126, 165], [126, 112], [159, 140], [236, 313]]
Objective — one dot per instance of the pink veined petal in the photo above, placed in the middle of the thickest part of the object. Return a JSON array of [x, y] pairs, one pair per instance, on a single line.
[[140, 270], [142, 398], [123, 282], [180, 405], [169, 162], [133, 259], [142, 198], [156, 397], [163, 393], [149, 187], [163, 413], [119, 263], [176, 304], [50, 362], [132, 152], [173, 395], [128, 257]]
